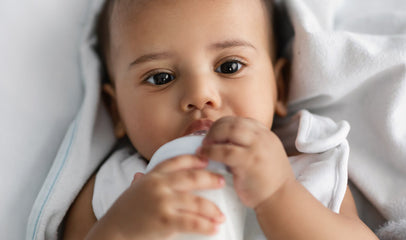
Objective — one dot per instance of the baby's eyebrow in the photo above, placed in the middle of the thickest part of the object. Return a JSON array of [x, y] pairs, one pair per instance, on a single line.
[[231, 44], [215, 46], [151, 57]]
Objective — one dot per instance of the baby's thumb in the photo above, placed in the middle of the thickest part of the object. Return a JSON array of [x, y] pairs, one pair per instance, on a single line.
[[137, 176]]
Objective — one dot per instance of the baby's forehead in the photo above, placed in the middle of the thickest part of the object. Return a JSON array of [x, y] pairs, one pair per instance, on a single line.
[[130, 10], [126, 12]]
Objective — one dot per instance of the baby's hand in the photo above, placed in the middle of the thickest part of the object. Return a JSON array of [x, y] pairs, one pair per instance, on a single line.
[[161, 203], [253, 153]]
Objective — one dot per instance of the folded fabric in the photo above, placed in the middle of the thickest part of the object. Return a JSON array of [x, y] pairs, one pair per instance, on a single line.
[[87, 141], [40, 93], [349, 62]]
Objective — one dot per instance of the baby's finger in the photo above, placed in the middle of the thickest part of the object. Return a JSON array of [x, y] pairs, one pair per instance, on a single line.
[[192, 180], [181, 162], [193, 204], [238, 131], [137, 176], [229, 154], [192, 223]]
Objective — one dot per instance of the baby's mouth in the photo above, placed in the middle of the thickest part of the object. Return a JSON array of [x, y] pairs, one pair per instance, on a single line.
[[198, 127], [200, 133]]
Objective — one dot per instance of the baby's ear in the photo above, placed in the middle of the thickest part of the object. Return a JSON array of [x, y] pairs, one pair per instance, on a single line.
[[110, 99], [282, 71]]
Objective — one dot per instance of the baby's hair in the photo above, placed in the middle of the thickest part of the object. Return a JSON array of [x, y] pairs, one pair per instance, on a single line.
[[103, 36], [104, 25]]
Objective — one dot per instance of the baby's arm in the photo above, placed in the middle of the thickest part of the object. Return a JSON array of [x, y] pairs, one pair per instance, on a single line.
[[155, 206], [80, 217], [293, 213], [264, 181]]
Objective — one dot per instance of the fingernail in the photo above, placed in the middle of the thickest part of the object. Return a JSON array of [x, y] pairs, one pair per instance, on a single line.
[[221, 218], [222, 181], [136, 177]]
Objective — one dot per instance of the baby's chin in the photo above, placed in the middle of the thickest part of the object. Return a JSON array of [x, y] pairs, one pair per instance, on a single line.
[[143, 152], [146, 155]]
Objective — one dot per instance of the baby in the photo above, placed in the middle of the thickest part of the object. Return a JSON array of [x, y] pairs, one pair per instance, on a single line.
[[183, 66]]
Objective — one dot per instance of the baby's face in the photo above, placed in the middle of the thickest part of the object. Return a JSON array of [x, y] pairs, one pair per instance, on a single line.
[[178, 65]]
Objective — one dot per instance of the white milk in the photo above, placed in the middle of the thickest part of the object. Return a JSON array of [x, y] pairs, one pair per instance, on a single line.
[[225, 198]]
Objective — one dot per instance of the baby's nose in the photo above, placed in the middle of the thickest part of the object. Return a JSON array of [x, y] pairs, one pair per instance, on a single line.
[[199, 94]]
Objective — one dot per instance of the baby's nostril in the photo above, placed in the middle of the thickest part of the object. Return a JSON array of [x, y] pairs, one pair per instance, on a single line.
[[190, 107]]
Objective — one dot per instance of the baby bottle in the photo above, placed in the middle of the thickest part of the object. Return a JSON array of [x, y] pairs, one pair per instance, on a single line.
[[225, 198]]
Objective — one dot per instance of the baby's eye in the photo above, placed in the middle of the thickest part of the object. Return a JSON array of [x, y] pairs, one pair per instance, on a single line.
[[160, 78], [229, 67]]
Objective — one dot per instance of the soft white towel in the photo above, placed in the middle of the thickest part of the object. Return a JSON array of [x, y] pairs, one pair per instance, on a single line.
[[349, 62], [87, 141], [40, 93]]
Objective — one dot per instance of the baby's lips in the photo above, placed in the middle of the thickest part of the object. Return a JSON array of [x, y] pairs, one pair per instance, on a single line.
[[198, 127], [200, 133]]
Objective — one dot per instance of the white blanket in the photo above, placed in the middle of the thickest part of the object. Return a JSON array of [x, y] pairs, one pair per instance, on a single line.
[[40, 93], [348, 63]]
